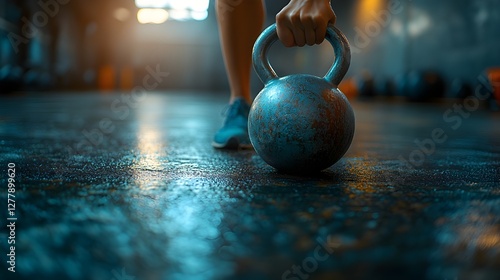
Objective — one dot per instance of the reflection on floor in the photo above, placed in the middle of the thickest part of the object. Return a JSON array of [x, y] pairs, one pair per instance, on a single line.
[[113, 187]]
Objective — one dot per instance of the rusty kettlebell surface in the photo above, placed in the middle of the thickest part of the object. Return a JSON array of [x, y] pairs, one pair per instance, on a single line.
[[301, 123]]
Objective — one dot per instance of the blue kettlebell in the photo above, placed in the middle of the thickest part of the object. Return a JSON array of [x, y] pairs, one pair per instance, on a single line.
[[301, 123]]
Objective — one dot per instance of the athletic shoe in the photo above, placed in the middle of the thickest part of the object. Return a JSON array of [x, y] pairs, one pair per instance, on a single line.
[[234, 132]]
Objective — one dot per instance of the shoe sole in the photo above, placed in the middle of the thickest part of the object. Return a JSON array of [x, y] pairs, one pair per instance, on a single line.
[[232, 144]]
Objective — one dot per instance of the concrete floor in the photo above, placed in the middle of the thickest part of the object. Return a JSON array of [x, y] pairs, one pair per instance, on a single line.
[[117, 188]]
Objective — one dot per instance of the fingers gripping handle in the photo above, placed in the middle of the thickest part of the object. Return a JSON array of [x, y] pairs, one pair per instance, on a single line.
[[334, 75]]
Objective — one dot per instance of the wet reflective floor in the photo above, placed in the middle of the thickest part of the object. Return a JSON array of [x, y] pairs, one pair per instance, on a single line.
[[128, 187]]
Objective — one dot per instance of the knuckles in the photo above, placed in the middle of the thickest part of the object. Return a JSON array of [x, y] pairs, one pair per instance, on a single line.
[[290, 20], [282, 16]]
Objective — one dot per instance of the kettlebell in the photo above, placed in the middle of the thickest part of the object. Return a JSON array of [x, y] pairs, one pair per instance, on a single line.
[[301, 123]]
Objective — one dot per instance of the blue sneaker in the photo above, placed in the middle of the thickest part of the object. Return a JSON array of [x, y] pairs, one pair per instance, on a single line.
[[234, 132]]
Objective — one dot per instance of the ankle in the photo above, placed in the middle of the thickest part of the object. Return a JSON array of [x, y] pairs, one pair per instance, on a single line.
[[233, 98]]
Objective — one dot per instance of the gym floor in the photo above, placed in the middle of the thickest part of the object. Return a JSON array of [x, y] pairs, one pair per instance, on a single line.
[[111, 186]]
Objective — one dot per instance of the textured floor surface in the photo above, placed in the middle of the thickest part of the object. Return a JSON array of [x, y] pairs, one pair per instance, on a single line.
[[114, 187]]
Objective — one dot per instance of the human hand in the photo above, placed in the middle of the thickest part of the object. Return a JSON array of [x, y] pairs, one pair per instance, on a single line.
[[304, 22]]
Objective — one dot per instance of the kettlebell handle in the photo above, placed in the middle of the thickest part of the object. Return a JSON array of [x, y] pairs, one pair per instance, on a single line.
[[338, 41]]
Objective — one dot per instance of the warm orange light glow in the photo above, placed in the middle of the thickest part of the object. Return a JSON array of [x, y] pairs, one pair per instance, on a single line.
[[155, 16], [106, 80], [494, 77], [489, 239], [349, 88], [127, 78], [366, 10], [121, 14]]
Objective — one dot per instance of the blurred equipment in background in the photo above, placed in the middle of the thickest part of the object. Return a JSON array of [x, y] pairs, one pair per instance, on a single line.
[[10, 78], [460, 89], [349, 88], [11, 59], [63, 45], [388, 88], [489, 85], [127, 78], [494, 78], [421, 86], [366, 84], [106, 78]]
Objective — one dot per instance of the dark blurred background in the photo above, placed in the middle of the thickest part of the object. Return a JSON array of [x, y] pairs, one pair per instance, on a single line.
[[422, 49]]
